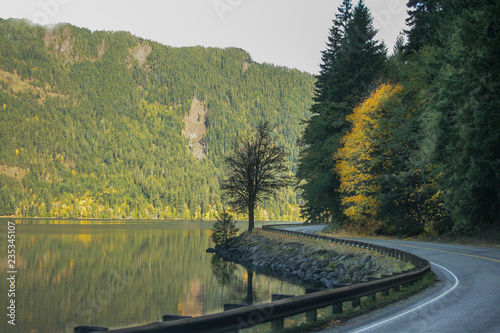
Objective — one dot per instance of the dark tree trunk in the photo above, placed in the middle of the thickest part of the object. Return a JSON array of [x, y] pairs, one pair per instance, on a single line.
[[251, 217]]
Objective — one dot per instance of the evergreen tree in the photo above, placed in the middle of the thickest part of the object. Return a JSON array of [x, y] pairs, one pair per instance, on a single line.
[[466, 104], [351, 62], [426, 20], [224, 229]]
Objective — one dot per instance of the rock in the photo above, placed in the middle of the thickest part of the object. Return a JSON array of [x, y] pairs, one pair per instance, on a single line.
[[297, 261], [321, 252]]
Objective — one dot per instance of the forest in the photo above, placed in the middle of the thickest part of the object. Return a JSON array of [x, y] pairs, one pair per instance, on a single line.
[[408, 143], [93, 124]]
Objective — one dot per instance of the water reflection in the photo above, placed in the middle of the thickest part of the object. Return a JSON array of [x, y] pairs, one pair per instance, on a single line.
[[226, 274], [123, 274]]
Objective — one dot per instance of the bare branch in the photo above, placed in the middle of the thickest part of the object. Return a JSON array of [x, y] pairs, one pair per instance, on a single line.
[[256, 169]]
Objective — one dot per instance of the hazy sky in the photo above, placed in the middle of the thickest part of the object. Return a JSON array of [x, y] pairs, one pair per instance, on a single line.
[[290, 33]]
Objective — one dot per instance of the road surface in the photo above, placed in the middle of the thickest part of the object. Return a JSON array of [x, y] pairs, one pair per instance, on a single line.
[[466, 297]]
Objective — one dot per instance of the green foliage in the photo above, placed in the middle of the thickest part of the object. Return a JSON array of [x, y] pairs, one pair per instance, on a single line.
[[93, 123], [357, 164], [448, 171], [428, 162], [224, 229], [466, 105], [426, 21], [351, 62]]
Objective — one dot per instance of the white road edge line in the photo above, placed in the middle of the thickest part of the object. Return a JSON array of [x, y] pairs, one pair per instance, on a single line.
[[416, 308]]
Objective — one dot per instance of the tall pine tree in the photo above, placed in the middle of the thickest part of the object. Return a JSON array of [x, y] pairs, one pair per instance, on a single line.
[[467, 103], [351, 62], [425, 20]]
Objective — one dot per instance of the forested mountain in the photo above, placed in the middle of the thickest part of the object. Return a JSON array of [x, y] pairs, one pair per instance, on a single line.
[[106, 124], [416, 148]]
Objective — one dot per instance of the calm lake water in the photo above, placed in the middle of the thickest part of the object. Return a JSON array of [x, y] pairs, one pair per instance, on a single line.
[[119, 274]]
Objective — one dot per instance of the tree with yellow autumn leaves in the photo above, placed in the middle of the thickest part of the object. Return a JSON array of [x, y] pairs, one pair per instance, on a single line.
[[356, 162]]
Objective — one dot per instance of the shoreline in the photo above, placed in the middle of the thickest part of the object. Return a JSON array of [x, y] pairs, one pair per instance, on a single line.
[[304, 261]]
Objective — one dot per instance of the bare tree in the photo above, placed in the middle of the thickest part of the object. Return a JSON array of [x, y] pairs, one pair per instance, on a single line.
[[257, 167]]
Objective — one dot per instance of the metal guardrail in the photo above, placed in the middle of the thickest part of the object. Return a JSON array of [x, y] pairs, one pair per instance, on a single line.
[[253, 315], [397, 254]]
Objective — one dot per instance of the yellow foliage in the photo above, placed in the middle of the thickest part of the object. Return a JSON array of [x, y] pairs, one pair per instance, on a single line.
[[354, 160]]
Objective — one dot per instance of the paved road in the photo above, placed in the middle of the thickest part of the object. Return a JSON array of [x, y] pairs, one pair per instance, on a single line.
[[465, 299]]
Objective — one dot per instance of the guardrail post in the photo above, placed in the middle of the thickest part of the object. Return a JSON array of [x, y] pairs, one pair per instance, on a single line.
[[373, 296], [385, 292], [356, 302], [312, 315], [230, 306], [408, 284], [88, 329], [337, 308], [277, 325]]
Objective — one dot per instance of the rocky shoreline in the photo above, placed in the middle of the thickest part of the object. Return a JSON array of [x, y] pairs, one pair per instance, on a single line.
[[308, 262]]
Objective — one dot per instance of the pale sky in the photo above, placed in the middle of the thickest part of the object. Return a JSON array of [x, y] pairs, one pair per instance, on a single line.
[[289, 33]]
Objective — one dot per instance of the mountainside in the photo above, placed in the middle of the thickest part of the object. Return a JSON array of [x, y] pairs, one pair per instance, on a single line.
[[106, 124]]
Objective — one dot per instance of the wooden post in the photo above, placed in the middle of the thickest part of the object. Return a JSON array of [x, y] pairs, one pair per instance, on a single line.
[[356, 302], [231, 306], [385, 292], [312, 315], [337, 308], [373, 297], [277, 325]]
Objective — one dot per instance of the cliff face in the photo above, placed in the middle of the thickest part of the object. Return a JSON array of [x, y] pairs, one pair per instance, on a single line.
[[195, 127]]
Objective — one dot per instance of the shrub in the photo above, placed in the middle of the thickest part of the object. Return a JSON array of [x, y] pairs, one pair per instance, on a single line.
[[224, 229]]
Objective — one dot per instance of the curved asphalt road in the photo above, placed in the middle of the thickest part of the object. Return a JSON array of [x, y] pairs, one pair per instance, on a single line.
[[466, 297]]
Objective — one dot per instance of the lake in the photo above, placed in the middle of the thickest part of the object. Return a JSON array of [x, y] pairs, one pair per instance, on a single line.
[[122, 273]]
